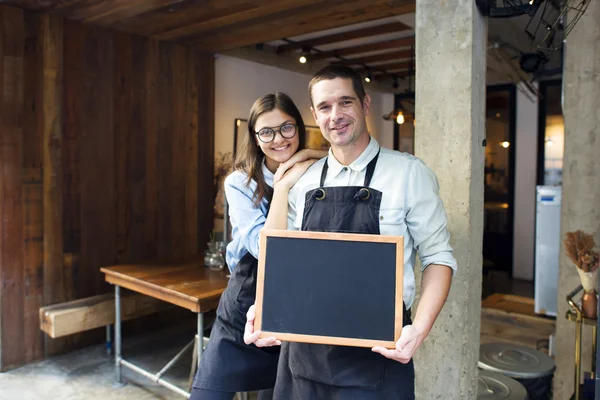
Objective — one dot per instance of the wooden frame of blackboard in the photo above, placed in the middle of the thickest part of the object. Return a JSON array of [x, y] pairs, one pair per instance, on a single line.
[[334, 236]]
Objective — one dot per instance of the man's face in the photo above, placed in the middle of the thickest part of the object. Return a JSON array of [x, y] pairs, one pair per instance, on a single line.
[[338, 111]]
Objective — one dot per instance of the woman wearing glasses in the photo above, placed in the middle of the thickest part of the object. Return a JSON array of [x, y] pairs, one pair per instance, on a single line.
[[271, 162]]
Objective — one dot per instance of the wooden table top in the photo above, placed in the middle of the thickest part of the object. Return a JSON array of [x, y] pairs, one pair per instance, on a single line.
[[187, 284]]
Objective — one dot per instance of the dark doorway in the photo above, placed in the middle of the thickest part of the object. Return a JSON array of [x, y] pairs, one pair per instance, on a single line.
[[499, 170], [499, 178], [551, 134]]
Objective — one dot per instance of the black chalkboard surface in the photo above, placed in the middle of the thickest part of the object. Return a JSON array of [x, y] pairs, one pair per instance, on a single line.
[[330, 288]]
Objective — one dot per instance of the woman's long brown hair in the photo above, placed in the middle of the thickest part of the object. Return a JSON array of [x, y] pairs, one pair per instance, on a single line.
[[249, 158]]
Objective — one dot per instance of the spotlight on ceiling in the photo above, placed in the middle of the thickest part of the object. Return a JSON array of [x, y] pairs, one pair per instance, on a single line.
[[304, 55]]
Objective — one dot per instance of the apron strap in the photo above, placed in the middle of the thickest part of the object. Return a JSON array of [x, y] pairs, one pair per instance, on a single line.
[[371, 169], [368, 174], [324, 172]]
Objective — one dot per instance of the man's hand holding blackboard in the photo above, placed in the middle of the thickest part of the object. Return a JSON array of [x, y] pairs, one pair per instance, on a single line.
[[409, 341], [250, 336]]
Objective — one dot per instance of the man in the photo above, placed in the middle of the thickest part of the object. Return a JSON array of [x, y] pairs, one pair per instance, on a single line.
[[402, 200]]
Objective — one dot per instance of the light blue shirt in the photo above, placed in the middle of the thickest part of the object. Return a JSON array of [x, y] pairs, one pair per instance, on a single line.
[[410, 205], [246, 219]]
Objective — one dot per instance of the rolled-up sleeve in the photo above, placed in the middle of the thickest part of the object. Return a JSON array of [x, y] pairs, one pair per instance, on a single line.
[[426, 217], [247, 219]]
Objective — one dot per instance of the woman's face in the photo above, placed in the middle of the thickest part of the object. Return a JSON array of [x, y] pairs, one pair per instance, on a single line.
[[285, 141]]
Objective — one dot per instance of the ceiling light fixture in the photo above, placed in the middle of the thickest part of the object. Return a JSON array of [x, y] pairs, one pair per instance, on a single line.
[[400, 118], [400, 115], [304, 55]]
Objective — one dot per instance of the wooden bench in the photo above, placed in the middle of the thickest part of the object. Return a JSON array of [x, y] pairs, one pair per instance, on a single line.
[[62, 319]]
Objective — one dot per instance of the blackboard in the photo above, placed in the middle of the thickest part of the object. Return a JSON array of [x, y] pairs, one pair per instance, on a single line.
[[330, 288]]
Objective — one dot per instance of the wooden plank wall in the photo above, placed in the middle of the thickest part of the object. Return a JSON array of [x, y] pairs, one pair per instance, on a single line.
[[106, 156]]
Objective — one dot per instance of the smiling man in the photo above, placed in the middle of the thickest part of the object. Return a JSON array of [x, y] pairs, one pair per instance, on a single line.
[[363, 188]]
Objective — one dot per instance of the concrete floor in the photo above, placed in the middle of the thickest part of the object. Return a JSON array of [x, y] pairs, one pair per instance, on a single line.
[[89, 373]]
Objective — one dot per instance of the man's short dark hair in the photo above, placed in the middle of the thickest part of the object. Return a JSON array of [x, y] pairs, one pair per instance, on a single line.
[[333, 71]]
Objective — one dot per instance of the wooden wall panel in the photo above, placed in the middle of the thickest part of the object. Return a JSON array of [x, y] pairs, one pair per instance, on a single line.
[[33, 190], [137, 151], [123, 131], [102, 160], [165, 148], [191, 154], [151, 118], [71, 154], [11, 184], [58, 285], [205, 77], [97, 164], [179, 161]]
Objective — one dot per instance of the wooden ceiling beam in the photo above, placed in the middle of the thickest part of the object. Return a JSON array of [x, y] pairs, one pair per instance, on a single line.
[[346, 51], [393, 56], [130, 9], [220, 25], [399, 74], [343, 36], [312, 19], [185, 20], [102, 12], [392, 66], [34, 5]]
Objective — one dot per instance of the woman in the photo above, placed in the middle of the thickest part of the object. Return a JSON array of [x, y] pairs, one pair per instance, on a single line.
[[276, 133]]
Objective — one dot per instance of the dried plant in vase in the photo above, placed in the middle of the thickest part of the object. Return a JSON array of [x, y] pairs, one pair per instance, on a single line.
[[223, 165], [579, 247]]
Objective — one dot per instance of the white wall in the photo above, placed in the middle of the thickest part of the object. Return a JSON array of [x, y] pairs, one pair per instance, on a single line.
[[525, 181], [238, 83]]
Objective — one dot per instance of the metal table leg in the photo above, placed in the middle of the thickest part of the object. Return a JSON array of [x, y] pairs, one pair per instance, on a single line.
[[200, 347], [118, 334], [108, 339], [158, 377]]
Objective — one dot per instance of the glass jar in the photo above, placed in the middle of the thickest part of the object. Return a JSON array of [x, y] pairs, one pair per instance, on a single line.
[[213, 258]]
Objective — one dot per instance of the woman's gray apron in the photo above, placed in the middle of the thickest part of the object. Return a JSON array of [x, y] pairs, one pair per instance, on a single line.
[[228, 364]]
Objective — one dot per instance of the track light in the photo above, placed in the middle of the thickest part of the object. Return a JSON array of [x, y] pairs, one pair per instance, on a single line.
[[304, 56]]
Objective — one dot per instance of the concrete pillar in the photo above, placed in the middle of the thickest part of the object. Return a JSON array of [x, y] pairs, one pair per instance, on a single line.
[[581, 178], [451, 40]]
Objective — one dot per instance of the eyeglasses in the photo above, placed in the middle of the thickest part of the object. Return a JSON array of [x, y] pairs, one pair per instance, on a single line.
[[287, 131]]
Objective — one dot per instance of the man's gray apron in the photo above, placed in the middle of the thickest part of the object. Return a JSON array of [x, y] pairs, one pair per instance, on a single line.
[[313, 371]]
